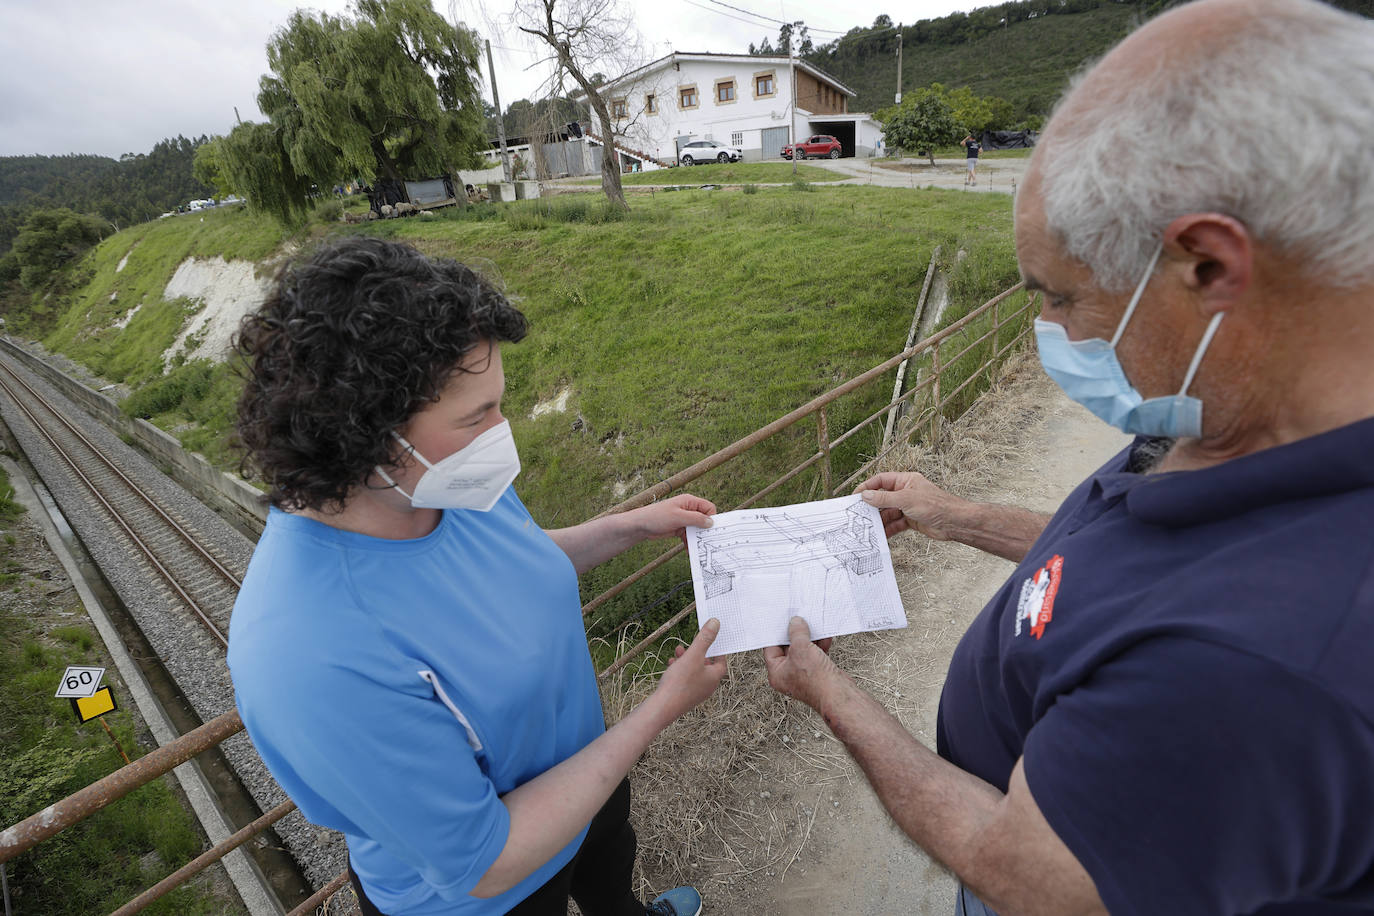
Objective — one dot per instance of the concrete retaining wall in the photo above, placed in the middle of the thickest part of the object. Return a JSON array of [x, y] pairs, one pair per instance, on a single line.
[[226, 493]]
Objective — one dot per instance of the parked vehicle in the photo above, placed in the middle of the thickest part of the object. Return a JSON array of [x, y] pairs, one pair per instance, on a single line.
[[709, 151], [819, 146]]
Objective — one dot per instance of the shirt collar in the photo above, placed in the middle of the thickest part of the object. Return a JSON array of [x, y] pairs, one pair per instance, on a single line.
[[1332, 462]]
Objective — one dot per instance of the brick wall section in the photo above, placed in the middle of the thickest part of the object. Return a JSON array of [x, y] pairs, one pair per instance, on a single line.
[[818, 97]]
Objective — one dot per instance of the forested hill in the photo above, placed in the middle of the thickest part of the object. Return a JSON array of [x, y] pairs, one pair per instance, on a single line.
[[127, 190], [1023, 51]]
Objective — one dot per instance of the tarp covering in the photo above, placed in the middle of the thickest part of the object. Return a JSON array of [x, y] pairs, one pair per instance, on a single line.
[[1009, 139], [430, 191], [421, 193]]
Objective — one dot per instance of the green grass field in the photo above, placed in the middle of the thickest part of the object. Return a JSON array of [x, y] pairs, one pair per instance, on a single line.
[[728, 173]]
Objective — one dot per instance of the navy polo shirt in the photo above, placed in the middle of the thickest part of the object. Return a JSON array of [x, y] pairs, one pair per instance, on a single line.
[[1186, 662]]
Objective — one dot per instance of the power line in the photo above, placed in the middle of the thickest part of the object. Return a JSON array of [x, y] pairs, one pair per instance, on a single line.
[[767, 19], [737, 9], [723, 13]]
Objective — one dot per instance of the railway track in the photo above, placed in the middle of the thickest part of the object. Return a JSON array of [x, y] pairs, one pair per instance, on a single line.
[[174, 568], [168, 547]]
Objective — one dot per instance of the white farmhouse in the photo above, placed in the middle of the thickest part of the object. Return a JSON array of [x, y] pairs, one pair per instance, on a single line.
[[735, 99]]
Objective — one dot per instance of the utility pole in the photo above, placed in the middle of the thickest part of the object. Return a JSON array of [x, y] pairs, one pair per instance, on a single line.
[[792, 79], [500, 118], [898, 99], [236, 115]]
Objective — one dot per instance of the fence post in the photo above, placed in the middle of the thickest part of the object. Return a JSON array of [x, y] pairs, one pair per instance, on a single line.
[[823, 438], [935, 393], [996, 333]]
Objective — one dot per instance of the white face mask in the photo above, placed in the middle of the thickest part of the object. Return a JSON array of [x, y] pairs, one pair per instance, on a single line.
[[474, 477]]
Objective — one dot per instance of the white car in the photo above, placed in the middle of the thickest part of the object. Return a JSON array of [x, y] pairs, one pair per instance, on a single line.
[[708, 151]]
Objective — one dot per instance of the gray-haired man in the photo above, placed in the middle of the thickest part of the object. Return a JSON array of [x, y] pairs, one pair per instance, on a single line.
[[1169, 707]]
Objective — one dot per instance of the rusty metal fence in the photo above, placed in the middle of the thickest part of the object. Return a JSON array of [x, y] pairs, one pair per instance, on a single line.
[[989, 328]]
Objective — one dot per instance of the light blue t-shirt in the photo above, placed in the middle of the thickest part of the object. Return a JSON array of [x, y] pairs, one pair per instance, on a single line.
[[396, 689]]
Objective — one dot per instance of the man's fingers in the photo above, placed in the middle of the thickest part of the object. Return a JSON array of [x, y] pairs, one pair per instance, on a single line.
[[883, 499], [700, 520], [695, 504], [798, 631]]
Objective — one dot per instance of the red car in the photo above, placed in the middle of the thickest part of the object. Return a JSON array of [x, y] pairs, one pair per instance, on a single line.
[[819, 146]]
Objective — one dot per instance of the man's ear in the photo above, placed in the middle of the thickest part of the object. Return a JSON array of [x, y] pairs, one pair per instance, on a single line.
[[1218, 253]]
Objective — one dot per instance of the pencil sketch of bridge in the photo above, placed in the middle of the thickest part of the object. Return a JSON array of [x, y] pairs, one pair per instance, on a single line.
[[824, 555]]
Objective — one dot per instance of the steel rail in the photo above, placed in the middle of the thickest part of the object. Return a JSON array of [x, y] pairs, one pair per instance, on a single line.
[[116, 515], [96, 450]]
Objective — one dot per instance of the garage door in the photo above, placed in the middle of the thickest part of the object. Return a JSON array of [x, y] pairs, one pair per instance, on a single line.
[[774, 139]]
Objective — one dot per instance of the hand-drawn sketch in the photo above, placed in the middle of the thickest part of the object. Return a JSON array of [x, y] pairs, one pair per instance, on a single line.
[[827, 562]]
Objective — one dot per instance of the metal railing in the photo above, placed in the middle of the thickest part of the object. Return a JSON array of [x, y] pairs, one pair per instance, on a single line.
[[929, 412]]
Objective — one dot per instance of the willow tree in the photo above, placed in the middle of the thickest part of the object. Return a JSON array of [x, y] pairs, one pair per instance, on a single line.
[[251, 161], [391, 92]]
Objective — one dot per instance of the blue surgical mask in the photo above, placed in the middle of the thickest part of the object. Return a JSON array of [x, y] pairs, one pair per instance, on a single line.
[[1090, 374]]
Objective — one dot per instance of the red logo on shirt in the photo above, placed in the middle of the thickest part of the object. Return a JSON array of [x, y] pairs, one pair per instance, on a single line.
[[1036, 605]]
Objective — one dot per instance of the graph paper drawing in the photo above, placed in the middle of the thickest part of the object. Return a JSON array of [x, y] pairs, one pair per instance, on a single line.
[[826, 561]]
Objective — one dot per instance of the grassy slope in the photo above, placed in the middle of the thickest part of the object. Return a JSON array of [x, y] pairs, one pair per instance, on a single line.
[[701, 317], [87, 333], [680, 327]]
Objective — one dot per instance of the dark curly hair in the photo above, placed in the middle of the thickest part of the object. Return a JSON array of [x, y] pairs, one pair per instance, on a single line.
[[352, 341]]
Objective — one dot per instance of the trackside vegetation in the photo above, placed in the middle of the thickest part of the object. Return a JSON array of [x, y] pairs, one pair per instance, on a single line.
[[102, 862]]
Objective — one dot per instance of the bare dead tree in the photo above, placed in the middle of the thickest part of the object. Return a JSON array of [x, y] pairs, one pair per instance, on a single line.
[[586, 37]]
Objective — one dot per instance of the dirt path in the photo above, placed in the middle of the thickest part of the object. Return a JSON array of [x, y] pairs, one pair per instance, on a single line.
[[994, 174], [784, 823]]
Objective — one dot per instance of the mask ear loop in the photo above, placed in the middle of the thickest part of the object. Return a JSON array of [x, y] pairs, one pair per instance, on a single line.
[[412, 450], [1201, 351], [1139, 291]]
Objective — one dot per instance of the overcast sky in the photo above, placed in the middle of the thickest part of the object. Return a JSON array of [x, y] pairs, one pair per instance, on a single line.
[[81, 76]]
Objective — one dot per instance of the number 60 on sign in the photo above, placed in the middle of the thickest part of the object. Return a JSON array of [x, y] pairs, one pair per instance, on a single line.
[[80, 682]]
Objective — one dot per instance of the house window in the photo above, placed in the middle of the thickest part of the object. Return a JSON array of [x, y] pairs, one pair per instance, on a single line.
[[687, 97], [619, 109], [737, 138], [651, 103], [725, 91], [763, 85]]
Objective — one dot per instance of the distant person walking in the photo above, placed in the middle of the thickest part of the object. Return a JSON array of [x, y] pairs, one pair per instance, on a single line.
[[971, 147]]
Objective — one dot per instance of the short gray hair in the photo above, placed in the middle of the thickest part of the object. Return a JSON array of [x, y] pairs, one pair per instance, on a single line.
[[1273, 128]]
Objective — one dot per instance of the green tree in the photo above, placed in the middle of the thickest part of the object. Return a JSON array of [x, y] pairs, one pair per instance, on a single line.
[[252, 162], [921, 123], [390, 93], [976, 114], [52, 239], [209, 167]]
